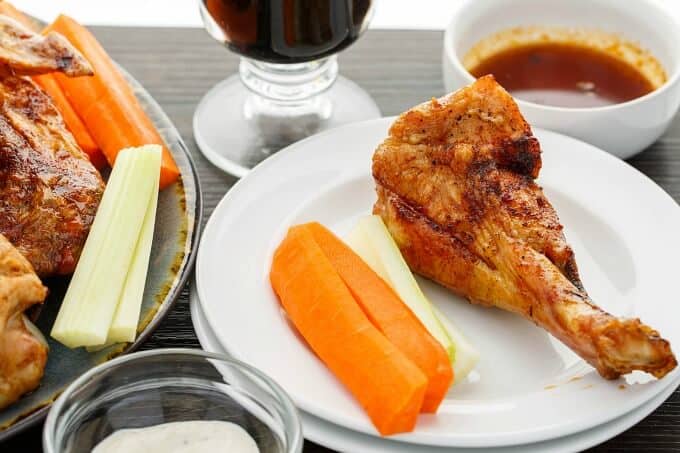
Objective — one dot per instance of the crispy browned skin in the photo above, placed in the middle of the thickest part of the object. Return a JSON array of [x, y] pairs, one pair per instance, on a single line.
[[455, 184], [49, 190], [22, 355], [27, 53]]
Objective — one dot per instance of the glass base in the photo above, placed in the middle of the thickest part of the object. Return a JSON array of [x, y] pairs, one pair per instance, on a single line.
[[236, 129]]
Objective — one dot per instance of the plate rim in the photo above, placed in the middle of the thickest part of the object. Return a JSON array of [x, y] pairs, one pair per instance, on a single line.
[[173, 295], [643, 411], [474, 441]]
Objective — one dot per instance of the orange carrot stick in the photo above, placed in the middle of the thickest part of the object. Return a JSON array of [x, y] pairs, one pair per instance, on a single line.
[[105, 102], [71, 119], [388, 385], [389, 314]]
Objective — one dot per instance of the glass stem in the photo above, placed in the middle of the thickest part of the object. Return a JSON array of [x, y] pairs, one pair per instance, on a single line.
[[287, 102]]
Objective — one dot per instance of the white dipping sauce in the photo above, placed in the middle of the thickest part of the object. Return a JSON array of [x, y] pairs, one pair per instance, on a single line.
[[180, 437]]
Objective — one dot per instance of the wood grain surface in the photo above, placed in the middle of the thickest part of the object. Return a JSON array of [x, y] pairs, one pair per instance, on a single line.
[[399, 69]]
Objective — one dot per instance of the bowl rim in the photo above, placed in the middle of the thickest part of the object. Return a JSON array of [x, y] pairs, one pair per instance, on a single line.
[[451, 55], [293, 430]]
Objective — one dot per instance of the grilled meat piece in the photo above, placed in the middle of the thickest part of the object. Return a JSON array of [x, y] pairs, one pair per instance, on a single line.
[[26, 53], [23, 354], [455, 184], [49, 190]]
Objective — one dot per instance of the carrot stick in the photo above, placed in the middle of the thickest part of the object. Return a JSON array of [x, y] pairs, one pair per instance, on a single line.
[[389, 314], [388, 385], [105, 102], [71, 119]]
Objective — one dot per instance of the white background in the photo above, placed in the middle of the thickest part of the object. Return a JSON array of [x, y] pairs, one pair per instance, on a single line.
[[424, 14]]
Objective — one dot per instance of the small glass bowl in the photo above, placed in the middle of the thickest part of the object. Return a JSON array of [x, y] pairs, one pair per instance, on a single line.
[[170, 385]]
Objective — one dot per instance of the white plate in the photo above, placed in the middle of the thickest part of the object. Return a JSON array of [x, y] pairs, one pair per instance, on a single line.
[[341, 439], [528, 387]]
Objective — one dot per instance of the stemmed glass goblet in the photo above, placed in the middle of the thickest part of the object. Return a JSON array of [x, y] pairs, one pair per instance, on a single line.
[[288, 86]]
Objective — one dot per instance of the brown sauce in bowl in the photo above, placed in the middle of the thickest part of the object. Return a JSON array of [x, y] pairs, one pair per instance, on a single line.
[[566, 68], [565, 75]]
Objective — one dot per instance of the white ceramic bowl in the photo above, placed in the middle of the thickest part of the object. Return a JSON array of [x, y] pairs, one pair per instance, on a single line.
[[622, 129]]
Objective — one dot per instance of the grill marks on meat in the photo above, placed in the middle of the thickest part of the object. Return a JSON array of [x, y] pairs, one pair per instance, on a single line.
[[26, 53], [455, 185], [22, 354]]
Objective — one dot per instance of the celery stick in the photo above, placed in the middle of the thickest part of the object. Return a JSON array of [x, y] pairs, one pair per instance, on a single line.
[[358, 242], [467, 355], [371, 240], [92, 297], [390, 265], [124, 325], [94, 242]]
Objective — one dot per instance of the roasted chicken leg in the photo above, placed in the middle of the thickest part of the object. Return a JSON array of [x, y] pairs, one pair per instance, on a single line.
[[455, 185]]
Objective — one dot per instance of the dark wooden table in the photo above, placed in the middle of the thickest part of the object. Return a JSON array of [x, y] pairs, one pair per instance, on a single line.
[[399, 69]]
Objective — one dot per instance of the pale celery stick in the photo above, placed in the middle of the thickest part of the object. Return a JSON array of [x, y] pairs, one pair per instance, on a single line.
[[118, 180], [366, 242], [94, 242], [92, 297], [390, 265], [467, 355], [124, 325], [357, 241]]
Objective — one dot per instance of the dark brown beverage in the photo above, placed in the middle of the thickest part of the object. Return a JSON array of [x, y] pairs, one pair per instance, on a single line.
[[288, 31]]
